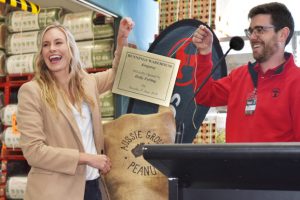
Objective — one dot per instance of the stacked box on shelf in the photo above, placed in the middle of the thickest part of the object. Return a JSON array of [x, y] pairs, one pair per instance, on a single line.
[[96, 53], [13, 175], [10, 136], [20, 21], [12, 161], [175, 10], [22, 63], [2, 63], [22, 46], [22, 42], [107, 104], [95, 42], [3, 28], [3, 34], [207, 133], [212, 129], [82, 26], [15, 187]]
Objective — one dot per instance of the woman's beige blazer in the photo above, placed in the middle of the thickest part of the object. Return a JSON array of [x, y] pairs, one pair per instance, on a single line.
[[51, 141]]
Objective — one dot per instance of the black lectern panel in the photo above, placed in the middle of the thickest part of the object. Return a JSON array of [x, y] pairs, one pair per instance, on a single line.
[[263, 166]]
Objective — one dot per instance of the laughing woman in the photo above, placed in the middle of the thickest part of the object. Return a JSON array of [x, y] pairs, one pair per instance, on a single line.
[[59, 120]]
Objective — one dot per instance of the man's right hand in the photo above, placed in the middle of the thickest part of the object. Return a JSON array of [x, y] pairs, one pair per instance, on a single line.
[[203, 40]]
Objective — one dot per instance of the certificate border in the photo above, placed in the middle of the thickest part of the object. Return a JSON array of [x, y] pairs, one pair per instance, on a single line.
[[165, 100], [169, 82]]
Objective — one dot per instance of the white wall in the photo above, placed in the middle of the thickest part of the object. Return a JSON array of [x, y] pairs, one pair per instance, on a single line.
[[232, 15], [232, 19]]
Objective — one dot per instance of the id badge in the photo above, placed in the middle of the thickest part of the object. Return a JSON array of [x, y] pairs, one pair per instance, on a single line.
[[251, 103]]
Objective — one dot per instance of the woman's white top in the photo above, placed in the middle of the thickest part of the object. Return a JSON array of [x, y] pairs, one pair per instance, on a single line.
[[84, 122]]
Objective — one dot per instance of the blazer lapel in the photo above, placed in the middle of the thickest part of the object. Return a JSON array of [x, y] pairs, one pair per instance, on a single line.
[[69, 116]]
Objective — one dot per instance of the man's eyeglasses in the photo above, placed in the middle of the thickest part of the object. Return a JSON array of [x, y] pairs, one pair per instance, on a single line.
[[257, 30]]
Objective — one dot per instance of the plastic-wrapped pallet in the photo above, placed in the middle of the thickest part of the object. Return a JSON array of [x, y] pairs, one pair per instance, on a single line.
[[175, 10], [22, 63], [107, 104], [7, 113], [207, 131], [2, 63], [25, 21], [212, 129], [15, 187], [23, 42], [82, 26], [220, 127], [3, 35], [107, 120], [97, 53], [11, 139]]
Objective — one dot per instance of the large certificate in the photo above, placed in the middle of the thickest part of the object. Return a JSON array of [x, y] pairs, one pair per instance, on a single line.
[[146, 76]]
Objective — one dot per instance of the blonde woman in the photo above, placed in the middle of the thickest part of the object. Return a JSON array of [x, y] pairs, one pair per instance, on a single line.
[[59, 120]]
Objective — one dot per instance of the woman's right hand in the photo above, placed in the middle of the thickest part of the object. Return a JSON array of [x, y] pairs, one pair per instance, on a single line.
[[101, 162]]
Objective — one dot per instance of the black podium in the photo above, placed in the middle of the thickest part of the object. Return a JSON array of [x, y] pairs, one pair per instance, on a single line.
[[227, 167]]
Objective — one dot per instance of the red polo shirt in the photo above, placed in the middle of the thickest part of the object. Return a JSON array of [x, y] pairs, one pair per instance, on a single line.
[[277, 114]]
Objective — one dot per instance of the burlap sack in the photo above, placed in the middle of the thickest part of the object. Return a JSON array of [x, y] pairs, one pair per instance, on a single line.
[[131, 176]]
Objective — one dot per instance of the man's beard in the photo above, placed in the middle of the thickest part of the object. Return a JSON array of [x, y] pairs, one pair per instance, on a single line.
[[266, 53]]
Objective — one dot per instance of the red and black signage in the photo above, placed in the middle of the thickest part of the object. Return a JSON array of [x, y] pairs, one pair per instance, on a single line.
[[175, 41]]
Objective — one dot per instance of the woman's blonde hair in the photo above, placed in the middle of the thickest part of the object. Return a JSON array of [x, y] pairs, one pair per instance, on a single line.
[[47, 81]]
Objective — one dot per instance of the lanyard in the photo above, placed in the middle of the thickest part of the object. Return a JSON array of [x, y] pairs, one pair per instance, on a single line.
[[252, 97], [253, 74]]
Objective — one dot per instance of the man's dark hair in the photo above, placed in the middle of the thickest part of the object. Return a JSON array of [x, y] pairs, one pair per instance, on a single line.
[[280, 14]]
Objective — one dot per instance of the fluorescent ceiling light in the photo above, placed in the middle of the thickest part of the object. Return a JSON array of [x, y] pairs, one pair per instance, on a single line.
[[96, 8]]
